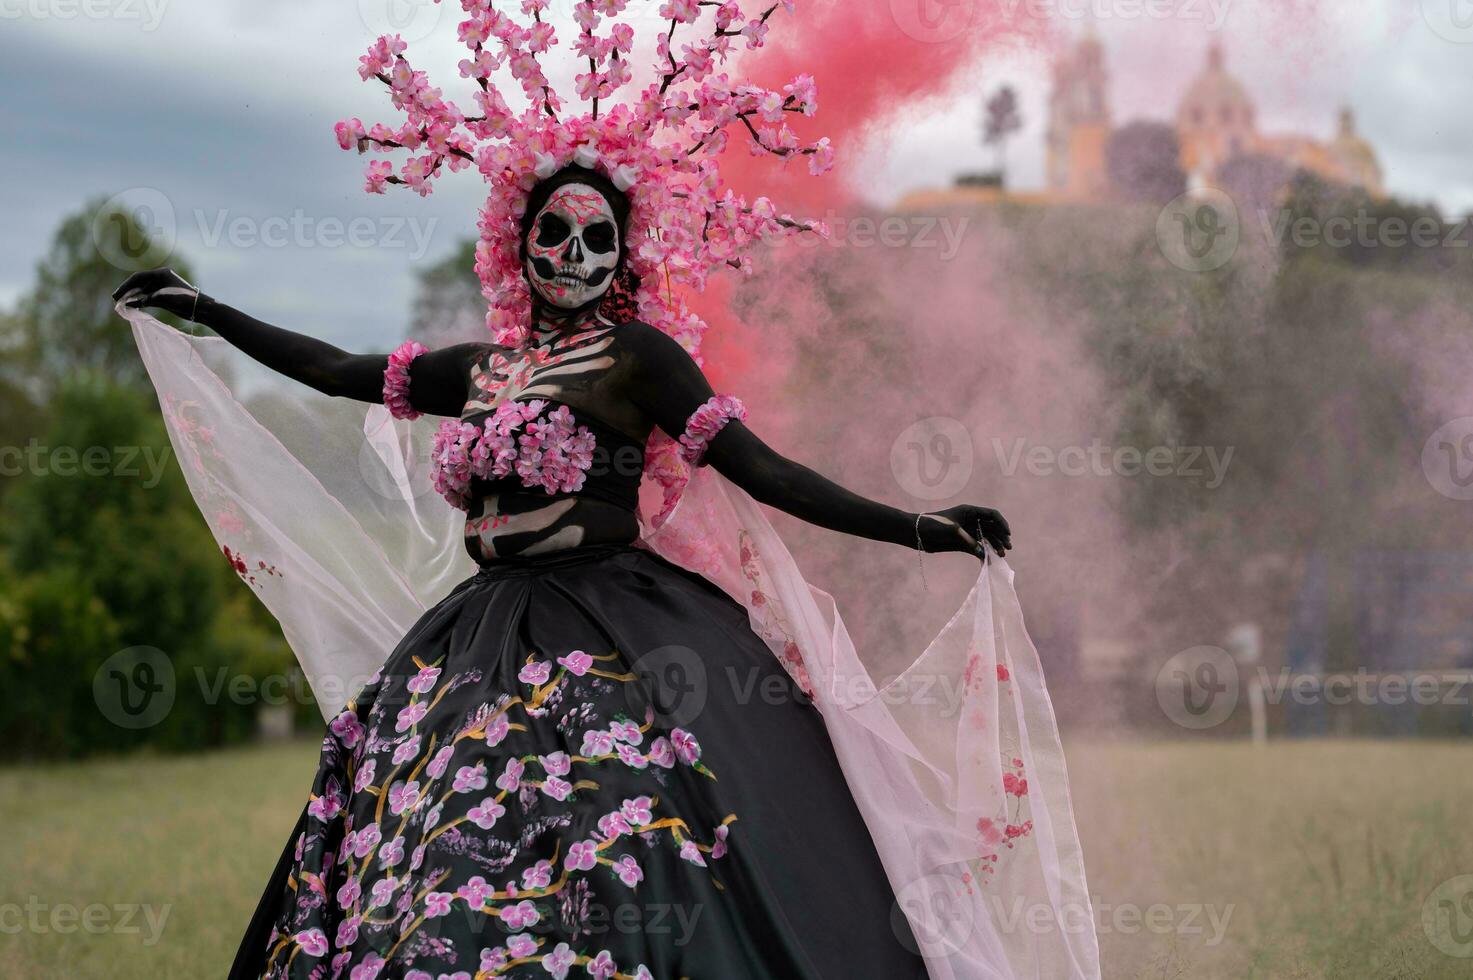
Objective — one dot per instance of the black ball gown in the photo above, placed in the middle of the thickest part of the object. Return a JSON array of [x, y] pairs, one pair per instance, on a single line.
[[580, 763]]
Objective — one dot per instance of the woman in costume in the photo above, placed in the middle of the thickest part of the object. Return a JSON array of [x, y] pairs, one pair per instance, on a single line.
[[525, 787]]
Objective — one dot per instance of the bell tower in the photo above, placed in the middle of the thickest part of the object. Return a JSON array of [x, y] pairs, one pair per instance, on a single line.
[[1079, 121]]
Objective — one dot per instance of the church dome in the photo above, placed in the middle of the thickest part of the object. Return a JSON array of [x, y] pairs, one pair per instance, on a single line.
[[1216, 100], [1355, 155]]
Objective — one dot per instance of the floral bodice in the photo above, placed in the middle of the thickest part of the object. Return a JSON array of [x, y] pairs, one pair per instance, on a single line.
[[534, 469], [539, 445]]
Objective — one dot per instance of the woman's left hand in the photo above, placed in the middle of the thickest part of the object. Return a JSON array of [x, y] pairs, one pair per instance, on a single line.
[[964, 528]]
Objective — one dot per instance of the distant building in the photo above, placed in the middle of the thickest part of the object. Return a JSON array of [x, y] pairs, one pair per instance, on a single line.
[[1216, 121], [1079, 123]]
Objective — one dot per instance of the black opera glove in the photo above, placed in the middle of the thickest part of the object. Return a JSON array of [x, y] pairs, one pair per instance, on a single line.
[[963, 528], [162, 289]]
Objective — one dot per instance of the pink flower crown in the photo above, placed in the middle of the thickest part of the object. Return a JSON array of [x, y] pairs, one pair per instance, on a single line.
[[661, 148]]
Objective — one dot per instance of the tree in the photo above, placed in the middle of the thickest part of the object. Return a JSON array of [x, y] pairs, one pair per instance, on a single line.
[[1255, 181], [448, 305], [66, 323], [111, 554], [1001, 120], [1143, 161]]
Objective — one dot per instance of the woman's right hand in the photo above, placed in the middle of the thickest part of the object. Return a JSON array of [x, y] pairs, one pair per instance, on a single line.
[[162, 289]]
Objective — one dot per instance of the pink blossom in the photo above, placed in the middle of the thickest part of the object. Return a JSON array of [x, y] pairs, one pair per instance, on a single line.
[[613, 825], [391, 853], [382, 892], [486, 814], [637, 810], [438, 904], [535, 673], [541, 37], [410, 715], [325, 807], [468, 779], [626, 731], [683, 11], [403, 796], [538, 875], [521, 945], [440, 762], [756, 33], [581, 856], [557, 787], [349, 132], [661, 753], [596, 743], [559, 961], [557, 763], [377, 174], [690, 852], [629, 870], [718, 847], [511, 779], [520, 916], [577, 662], [368, 968], [347, 728], [363, 778], [687, 749], [424, 681], [705, 422], [366, 840], [602, 966], [406, 750], [347, 933], [497, 730], [313, 942]]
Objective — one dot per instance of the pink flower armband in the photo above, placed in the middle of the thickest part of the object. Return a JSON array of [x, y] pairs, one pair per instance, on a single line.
[[396, 380], [705, 422]]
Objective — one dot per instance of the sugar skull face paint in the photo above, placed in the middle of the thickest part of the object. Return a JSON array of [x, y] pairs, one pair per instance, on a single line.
[[573, 248]]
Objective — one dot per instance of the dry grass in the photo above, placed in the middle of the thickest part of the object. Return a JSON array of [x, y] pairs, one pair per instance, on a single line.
[[1315, 857]]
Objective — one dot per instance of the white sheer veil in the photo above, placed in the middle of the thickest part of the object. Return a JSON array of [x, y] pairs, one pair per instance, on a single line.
[[326, 510]]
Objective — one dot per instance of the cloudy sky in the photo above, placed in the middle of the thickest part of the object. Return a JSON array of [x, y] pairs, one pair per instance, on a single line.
[[217, 117]]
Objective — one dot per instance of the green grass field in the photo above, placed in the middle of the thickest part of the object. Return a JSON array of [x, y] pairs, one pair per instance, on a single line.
[[1297, 860]]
